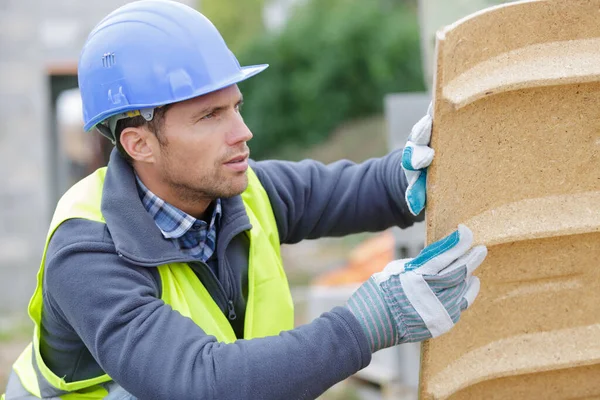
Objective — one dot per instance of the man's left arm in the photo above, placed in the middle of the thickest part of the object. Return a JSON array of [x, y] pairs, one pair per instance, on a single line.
[[312, 200]]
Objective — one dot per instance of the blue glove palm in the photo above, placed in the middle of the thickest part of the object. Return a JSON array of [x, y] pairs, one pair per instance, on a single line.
[[416, 157]]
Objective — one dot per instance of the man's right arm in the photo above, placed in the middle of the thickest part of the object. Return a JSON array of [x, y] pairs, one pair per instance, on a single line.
[[154, 352]]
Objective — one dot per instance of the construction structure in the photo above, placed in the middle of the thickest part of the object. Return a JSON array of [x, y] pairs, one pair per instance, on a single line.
[[517, 139]]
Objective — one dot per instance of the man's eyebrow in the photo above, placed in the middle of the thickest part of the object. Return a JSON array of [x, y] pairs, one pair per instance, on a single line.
[[211, 109], [205, 111]]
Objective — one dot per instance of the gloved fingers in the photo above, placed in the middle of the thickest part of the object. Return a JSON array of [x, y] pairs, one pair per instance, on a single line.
[[439, 283], [450, 296], [426, 303], [416, 194], [438, 255], [412, 177], [415, 157], [471, 261], [471, 293], [458, 272], [421, 131]]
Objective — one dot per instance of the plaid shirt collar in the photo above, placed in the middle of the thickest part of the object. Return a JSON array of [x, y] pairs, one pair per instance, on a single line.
[[192, 235]]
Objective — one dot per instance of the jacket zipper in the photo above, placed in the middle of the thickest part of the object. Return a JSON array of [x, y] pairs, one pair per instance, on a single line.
[[226, 298], [226, 269], [227, 301], [231, 315]]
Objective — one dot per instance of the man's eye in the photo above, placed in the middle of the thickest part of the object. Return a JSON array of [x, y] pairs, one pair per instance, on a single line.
[[238, 107], [209, 116]]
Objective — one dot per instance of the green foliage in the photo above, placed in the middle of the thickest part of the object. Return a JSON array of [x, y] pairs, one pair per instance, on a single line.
[[334, 61], [239, 21]]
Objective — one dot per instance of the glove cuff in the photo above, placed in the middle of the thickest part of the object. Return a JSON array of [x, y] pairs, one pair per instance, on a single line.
[[411, 326], [369, 307]]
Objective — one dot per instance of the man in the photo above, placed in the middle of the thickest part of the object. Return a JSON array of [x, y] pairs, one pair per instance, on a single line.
[[162, 277]]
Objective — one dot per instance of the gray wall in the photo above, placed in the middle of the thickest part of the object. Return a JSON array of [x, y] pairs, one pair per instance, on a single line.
[[34, 36], [23, 157]]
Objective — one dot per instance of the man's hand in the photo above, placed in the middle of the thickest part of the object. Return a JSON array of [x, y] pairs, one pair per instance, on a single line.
[[416, 299], [416, 158]]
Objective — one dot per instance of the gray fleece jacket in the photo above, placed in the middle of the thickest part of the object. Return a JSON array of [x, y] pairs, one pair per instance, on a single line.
[[102, 311]]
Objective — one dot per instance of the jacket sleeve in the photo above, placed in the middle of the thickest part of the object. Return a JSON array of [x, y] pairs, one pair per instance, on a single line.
[[154, 352], [312, 200]]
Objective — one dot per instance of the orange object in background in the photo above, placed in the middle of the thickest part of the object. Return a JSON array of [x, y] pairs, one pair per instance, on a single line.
[[364, 260]]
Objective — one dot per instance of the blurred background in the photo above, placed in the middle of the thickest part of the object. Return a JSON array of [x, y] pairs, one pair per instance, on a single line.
[[347, 79]]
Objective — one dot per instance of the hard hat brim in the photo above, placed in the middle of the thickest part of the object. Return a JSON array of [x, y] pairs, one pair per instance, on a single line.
[[245, 73]]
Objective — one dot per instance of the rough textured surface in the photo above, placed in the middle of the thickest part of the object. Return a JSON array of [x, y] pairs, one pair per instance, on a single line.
[[517, 140]]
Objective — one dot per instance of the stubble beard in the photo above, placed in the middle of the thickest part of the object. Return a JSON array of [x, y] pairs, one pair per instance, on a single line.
[[205, 187]]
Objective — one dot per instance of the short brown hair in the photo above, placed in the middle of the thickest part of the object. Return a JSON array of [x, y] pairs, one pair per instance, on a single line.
[[155, 125]]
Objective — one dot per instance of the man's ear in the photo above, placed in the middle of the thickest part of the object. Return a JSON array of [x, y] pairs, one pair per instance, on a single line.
[[139, 144]]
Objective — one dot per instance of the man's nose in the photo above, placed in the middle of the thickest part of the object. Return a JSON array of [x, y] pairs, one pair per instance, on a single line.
[[239, 131]]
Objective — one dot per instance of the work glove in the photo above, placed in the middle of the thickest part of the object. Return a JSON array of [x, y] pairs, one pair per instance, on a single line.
[[416, 299], [416, 157]]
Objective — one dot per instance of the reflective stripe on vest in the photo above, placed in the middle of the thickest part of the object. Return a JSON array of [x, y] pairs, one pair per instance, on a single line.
[[269, 308]]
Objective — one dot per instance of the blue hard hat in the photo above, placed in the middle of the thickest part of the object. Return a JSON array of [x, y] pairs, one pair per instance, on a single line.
[[150, 53]]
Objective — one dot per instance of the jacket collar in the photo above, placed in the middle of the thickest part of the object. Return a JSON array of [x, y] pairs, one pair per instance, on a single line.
[[134, 232]]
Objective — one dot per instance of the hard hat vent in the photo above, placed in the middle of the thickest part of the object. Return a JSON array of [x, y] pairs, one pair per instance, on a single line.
[[108, 60]]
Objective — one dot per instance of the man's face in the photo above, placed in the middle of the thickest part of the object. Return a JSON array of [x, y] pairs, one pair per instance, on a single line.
[[204, 154]]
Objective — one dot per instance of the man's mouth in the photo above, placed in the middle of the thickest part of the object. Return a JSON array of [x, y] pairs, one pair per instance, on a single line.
[[238, 159], [238, 163]]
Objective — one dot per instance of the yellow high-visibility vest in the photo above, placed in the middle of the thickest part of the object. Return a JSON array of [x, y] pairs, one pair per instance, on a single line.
[[269, 308]]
